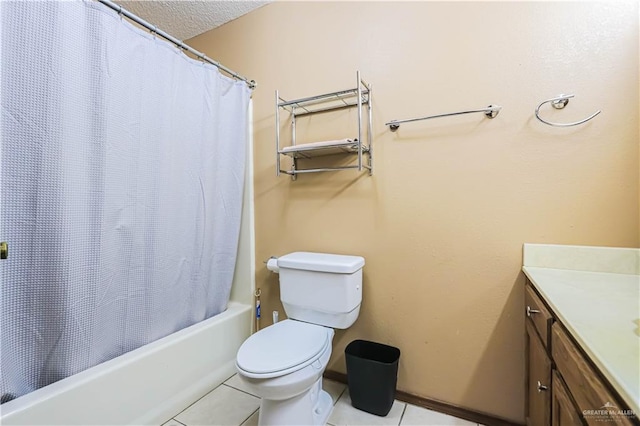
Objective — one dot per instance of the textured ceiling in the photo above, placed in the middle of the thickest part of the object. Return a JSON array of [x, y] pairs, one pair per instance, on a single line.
[[184, 19]]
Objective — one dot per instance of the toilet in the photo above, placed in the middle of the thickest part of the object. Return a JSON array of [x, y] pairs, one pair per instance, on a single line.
[[284, 363]]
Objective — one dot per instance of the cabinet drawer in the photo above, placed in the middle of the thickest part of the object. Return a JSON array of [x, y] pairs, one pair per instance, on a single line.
[[538, 314], [587, 389]]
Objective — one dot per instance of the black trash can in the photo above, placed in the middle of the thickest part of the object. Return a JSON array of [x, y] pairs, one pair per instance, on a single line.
[[372, 373]]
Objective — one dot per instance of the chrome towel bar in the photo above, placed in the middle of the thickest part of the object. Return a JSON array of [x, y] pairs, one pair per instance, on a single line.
[[559, 102], [491, 111]]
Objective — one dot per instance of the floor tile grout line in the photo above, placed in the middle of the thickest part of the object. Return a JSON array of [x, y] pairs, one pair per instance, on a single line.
[[402, 415], [202, 397], [195, 402], [252, 413], [229, 378], [340, 396], [240, 390]]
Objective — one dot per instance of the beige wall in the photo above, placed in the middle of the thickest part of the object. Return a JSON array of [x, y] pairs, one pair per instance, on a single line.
[[442, 221]]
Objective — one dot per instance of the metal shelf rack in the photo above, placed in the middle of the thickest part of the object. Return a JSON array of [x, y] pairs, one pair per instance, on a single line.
[[357, 97]]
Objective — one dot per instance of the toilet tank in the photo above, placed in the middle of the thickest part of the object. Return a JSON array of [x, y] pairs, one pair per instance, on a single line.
[[321, 288]]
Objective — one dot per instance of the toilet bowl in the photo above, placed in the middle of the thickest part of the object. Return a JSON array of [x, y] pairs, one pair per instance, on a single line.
[[283, 363]]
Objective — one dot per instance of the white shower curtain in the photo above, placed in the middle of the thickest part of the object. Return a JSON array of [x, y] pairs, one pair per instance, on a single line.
[[122, 177]]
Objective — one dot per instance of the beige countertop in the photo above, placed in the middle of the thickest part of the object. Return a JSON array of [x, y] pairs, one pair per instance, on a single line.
[[595, 293]]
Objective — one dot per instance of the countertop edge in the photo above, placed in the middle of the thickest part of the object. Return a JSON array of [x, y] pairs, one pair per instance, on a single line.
[[629, 399]]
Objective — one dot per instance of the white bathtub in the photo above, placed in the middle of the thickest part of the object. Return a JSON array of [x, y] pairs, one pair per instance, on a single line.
[[148, 385]]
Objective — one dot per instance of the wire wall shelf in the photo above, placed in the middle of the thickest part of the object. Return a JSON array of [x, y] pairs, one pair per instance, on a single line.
[[359, 98]]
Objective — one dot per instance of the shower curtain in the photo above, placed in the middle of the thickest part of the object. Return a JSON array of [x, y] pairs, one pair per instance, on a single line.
[[122, 172]]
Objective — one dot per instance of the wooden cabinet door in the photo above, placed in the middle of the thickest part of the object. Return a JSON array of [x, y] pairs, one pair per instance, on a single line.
[[538, 380], [563, 410], [587, 389]]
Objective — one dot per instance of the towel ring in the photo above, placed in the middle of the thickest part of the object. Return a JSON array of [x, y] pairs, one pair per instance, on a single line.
[[560, 102]]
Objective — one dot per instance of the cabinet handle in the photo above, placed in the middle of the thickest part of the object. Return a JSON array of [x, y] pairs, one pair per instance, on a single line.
[[541, 387], [531, 311]]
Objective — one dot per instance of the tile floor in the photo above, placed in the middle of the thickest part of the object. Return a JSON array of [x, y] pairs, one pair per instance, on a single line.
[[233, 405]]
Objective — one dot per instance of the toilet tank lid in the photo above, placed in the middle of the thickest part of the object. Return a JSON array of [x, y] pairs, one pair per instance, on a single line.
[[321, 262]]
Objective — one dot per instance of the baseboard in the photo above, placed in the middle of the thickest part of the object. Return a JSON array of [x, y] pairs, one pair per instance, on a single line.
[[435, 405]]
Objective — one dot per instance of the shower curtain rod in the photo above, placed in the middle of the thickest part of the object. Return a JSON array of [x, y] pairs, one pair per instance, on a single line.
[[154, 30]]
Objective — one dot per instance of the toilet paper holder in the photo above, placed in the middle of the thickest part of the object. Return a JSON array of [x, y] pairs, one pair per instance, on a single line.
[[272, 264]]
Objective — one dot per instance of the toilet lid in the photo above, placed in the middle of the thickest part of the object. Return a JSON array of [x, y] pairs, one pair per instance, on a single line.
[[282, 346]]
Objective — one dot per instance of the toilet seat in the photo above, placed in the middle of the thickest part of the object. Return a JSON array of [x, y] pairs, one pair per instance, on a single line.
[[282, 348]]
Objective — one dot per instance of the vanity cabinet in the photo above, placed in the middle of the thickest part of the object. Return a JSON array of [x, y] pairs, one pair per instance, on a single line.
[[539, 366], [561, 382], [589, 391]]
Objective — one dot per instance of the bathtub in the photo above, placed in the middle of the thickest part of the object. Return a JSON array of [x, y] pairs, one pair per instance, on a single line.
[[148, 385]]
